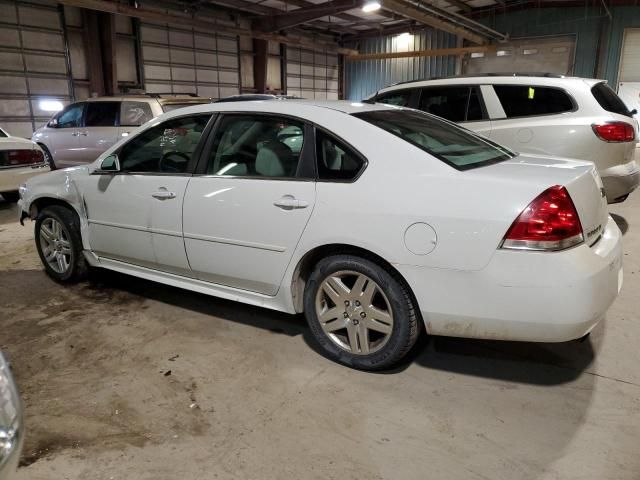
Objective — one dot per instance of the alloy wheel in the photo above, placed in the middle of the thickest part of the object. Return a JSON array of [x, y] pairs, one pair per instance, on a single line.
[[354, 312], [55, 245]]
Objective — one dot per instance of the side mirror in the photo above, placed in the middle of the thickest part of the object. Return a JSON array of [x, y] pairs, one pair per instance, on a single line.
[[111, 164], [634, 111], [53, 123]]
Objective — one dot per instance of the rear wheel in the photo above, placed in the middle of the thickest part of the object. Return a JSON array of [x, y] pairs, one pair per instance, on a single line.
[[360, 314], [11, 197], [59, 244]]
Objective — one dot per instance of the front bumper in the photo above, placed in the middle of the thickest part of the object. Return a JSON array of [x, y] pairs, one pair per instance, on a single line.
[[526, 296], [620, 181]]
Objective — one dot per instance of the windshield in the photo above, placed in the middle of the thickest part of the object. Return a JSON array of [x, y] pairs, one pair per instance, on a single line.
[[444, 140]]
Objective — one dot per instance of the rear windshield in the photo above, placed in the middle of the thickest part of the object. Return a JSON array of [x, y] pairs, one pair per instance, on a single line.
[[444, 140], [169, 107], [609, 100]]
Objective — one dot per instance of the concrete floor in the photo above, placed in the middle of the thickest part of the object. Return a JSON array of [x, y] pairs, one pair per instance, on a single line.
[[125, 379]]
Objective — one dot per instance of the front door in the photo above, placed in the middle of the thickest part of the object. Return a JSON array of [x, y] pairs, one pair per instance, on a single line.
[[99, 130], [63, 133], [135, 215], [244, 215]]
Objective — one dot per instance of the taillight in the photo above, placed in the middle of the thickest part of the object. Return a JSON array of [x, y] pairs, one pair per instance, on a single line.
[[550, 222], [614, 131], [24, 157]]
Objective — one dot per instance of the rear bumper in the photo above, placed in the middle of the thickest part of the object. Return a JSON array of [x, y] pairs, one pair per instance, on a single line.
[[620, 181], [527, 296], [12, 177]]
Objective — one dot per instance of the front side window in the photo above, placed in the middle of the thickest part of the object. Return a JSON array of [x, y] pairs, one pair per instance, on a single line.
[[256, 146], [400, 98], [531, 100], [335, 160], [101, 114], [165, 148], [454, 145], [3, 134], [70, 117], [457, 104], [134, 114]]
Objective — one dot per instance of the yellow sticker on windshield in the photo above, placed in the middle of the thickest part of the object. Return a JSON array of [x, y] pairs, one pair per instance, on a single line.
[[532, 92]]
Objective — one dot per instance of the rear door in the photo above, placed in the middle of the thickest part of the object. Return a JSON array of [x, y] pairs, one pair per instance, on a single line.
[[461, 104], [99, 130], [245, 212]]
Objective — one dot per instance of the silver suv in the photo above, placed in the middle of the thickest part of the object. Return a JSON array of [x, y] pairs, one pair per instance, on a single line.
[[11, 426], [83, 130], [538, 114]]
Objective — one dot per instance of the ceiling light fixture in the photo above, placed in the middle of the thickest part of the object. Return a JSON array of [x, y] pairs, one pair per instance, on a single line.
[[371, 7]]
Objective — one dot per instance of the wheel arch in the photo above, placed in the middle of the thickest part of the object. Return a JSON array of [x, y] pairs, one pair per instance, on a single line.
[[310, 259], [40, 203]]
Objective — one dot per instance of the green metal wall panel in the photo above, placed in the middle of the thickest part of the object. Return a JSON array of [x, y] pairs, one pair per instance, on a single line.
[[623, 17]]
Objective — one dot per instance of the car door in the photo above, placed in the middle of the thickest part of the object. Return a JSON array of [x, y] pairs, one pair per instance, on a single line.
[[246, 209], [99, 129], [461, 104], [135, 215], [62, 132]]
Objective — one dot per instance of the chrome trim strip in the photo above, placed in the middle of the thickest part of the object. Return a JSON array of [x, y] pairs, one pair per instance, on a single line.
[[238, 243]]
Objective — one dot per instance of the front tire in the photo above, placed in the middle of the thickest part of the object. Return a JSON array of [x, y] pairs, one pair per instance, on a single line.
[[59, 244], [11, 197], [48, 157], [361, 315]]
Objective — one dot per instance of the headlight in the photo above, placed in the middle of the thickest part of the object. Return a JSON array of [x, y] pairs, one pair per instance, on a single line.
[[10, 417]]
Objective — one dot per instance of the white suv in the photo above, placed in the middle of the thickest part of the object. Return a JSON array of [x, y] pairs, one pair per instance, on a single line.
[[550, 115], [83, 130]]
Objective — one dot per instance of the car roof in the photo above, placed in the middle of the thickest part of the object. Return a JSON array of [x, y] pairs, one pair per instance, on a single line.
[[161, 98], [493, 78], [291, 107]]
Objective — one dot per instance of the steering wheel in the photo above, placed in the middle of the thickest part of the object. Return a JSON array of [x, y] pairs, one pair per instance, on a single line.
[[173, 162]]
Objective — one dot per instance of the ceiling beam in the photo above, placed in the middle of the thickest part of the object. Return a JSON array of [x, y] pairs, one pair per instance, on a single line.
[[203, 22], [414, 13], [465, 7], [282, 21], [436, 52]]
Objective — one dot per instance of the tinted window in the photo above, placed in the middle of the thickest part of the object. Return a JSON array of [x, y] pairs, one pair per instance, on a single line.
[[335, 160], [166, 148], [101, 114], [70, 117], [458, 147], [256, 146], [3, 134], [609, 100], [396, 97], [530, 100], [134, 114]]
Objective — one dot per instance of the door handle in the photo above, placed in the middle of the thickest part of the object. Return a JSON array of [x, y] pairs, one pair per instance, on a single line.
[[75, 134], [289, 202], [163, 195]]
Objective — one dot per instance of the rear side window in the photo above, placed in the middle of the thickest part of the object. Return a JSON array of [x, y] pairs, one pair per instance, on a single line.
[[134, 114], [453, 145], [336, 161], [609, 100], [101, 114], [457, 104], [531, 100], [399, 98]]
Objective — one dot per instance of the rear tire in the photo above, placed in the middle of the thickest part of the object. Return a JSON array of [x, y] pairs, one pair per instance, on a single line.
[[361, 315], [59, 244], [11, 197], [48, 157]]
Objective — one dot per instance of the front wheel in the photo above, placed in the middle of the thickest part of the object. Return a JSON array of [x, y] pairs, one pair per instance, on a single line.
[[59, 244], [48, 157], [361, 315]]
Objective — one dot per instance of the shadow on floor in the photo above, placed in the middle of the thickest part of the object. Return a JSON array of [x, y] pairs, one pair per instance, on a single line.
[[622, 223], [520, 362]]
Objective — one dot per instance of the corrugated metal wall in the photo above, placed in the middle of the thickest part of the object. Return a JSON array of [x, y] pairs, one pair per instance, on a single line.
[[312, 74], [364, 78], [623, 17]]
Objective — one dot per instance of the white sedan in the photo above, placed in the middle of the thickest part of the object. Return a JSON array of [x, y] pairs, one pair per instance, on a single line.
[[20, 159], [375, 221]]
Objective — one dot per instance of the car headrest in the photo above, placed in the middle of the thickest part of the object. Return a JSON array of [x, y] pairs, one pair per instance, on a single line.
[[274, 159]]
